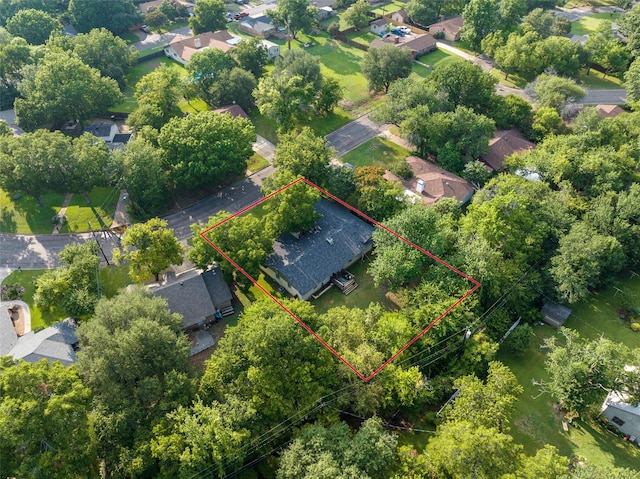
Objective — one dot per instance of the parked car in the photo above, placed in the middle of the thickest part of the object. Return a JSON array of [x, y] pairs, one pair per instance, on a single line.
[[243, 14], [405, 30], [145, 29], [398, 32]]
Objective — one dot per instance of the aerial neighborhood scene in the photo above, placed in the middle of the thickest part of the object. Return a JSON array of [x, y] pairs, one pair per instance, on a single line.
[[320, 239]]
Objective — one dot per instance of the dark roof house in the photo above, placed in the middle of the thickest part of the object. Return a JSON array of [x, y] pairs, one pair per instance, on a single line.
[[503, 144], [430, 183], [181, 49], [197, 296], [104, 131], [233, 110], [555, 314], [55, 343], [418, 44], [305, 264], [451, 28], [260, 26], [609, 111]]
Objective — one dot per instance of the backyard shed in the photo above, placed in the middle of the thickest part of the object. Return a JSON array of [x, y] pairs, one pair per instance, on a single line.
[[555, 314]]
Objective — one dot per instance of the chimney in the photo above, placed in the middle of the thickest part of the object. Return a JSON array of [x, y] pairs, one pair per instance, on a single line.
[[396, 39], [196, 42], [420, 186]]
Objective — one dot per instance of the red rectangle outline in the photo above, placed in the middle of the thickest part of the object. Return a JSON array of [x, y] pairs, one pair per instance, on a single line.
[[476, 284]]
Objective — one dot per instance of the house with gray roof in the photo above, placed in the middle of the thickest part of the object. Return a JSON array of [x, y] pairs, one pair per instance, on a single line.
[[260, 26], [55, 343], [555, 314], [305, 263], [198, 297], [623, 414]]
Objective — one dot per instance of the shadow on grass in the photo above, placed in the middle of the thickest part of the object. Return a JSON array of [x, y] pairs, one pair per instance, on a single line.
[[7, 223]]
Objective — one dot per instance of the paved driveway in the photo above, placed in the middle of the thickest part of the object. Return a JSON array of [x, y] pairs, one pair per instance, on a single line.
[[354, 134]]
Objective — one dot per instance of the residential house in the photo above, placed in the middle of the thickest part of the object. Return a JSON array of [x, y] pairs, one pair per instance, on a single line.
[[233, 110], [379, 26], [325, 12], [181, 48], [430, 183], [609, 111], [451, 28], [400, 16], [418, 44], [259, 26], [555, 314], [273, 49], [305, 263], [104, 131], [503, 144], [322, 3], [55, 343], [199, 297], [623, 414]]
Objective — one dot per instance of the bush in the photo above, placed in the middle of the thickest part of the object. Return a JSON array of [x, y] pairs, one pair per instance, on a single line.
[[12, 292], [438, 35], [333, 29], [518, 340], [402, 169], [635, 326]]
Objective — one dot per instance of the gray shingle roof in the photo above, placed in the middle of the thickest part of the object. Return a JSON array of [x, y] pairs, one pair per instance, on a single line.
[[190, 298], [54, 343], [340, 237], [217, 287], [8, 336]]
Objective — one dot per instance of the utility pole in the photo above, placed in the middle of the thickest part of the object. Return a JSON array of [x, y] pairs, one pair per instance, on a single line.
[[98, 243]]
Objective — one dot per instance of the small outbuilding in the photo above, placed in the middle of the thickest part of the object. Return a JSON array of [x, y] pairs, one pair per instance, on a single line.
[[555, 314], [379, 26], [623, 415]]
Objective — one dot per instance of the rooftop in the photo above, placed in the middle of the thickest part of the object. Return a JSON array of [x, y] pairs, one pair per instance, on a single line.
[[503, 144], [337, 238], [438, 183], [54, 343], [186, 47], [233, 110]]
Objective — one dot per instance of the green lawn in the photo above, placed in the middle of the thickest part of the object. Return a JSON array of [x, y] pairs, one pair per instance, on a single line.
[[389, 8], [536, 422], [587, 3], [513, 80], [26, 216], [595, 79], [193, 105], [365, 294], [129, 37], [590, 23], [376, 152], [437, 57], [112, 279], [138, 71], [99, 212], [256, 163]]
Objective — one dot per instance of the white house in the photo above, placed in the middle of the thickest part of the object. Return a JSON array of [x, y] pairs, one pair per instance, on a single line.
[[273, 49], [623, 416], [378, 26]]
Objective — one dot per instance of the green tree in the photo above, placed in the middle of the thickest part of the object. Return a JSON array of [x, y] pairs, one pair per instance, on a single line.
[[538, 20], [73, 286], [44, 421], [382, 66], [191, 438], [630, 28], [89, 164], [329, 96], [271, 363], [142, 170], [511, 12], [305, 154], [205, 68], [302, 64], [481, 17], [519, 339], [605, 50], [156, 248], [238, 239], [15, 53], [35, 26], [135, 359], [547, 121], [109, 54], [584, 261], [62, 88], [157, 93], [374, 195], [555, 92], [518, 54], [397, 262], [156, 18], [336, 452], [464, 83], [403, 95], [425, 12], [204, 149], [357, 14], [281, 98], [118, 18], [295, 16], [251, 55], [475, 172], [582, 371], [234, 86], [208, 16], [291, 210]]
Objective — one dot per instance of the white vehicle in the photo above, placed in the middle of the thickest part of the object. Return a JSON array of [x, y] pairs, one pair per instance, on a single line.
[[405, 30]]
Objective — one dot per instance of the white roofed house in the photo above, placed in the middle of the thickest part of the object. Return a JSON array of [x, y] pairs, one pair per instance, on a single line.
[[273, 49], [622, 412]]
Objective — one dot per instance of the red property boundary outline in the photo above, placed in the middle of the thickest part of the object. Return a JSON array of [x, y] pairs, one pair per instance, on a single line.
[[476, 284]]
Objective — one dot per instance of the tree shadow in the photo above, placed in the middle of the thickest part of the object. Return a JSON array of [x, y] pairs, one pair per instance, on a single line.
[[7, 223]]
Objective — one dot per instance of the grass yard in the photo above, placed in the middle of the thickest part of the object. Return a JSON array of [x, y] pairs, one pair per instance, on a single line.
[[389, 8], [136, 73], [256, 163], [437, 57], [365, 294], [129, 37], [514, 80], [535, 421], [26, 216], [587, 3], [376, 152], [595, 79], [99, 212], [112, 279], [194, 105], [590, 23]]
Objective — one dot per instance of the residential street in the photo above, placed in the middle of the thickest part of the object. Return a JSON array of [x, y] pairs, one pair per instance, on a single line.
[[354, 134], [604, 97]]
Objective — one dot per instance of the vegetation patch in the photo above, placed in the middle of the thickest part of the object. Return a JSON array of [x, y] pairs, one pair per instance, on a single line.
[[24, 215], [96, 215], [256, 163], [590, 23], [376, 152]]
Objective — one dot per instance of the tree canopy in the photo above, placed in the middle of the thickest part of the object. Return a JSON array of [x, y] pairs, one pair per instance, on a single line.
[[381, 66], [118, 18], [35, 26], [208, 16]]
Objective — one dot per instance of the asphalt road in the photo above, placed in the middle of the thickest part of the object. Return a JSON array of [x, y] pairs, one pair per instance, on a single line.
[[604, 97], [353, 134]]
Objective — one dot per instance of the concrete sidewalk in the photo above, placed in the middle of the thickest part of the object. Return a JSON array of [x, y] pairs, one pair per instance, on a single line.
[[121, 216]]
